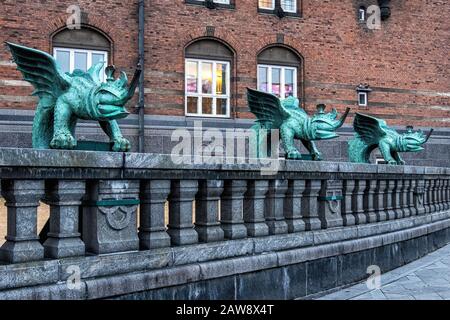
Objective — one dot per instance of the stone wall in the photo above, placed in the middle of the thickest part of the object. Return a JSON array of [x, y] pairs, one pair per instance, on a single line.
[[209, 230]]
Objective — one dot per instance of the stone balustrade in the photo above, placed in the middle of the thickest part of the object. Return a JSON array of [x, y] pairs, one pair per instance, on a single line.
[[111, 203]]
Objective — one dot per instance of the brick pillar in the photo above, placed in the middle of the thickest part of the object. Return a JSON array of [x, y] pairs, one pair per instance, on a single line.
[[254, 208]]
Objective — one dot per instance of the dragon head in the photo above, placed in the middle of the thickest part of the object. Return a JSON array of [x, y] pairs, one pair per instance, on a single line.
[[323, 125], [109, 98], [412, 141]]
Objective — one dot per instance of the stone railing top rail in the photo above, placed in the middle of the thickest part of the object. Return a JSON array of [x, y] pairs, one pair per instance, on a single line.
[[63, 159]]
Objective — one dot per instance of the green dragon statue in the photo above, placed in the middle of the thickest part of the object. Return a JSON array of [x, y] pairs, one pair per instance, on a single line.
[[372, 133], [293, 123], [66, 97]]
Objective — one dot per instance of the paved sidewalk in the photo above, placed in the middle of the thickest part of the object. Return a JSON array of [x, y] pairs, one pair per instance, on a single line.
[[425, 279]]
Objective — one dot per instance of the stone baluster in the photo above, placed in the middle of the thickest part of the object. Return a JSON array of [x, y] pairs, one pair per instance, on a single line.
[[110, 216], [433, 190], [207, 211], [369, 200], [440, 194], [274, 205], [446, 194], [427, 196], [293, 206], [232, 209], [152, 228], [404, 198], [180, 227], [64, 198], [379, 203], [412, 203], [310, 207], [397, 196], [358, 202], [254, 208], [346, 206], [419, 197], [389, 199], [22, 199], [330, 198]]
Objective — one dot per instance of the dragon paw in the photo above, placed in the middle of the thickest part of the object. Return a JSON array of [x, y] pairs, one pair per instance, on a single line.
[[121, 145], [293, 155], [392, 162], [63, 140], [317, 156], [401, 162]]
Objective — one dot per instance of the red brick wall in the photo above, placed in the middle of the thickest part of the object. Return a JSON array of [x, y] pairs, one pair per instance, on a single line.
[[406, 62]]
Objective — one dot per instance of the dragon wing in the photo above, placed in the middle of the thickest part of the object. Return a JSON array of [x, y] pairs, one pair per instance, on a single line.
[[267, 108], [41, 70], [369, 129]]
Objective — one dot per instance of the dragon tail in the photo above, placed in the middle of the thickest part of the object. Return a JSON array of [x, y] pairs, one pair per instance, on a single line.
[[358, 150]]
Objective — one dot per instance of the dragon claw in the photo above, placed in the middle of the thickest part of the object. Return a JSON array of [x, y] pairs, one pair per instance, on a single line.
[[392, 162], [294, 155], [317, 156], [63, 140], [121, 145]]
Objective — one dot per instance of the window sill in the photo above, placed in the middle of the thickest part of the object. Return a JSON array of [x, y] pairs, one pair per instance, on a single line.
[[287, 14], [230, 6]]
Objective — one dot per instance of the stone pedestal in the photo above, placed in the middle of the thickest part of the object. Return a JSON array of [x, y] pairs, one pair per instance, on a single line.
[[207, 211], [181, 228], [346, 205], [310, 207], [22, 199], [152, 229], [419, 197], [274, 206], [389, 199], [64, 198], [232, 209], [254, 208], [379, 200], [293, 206], [109, 216], [330, 198]]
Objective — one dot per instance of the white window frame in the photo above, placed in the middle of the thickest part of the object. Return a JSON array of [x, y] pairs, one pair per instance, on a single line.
[[365, 95], [220, 1], [89, 58], [272, 7], [212, 95], [362, 12], [282, 78]]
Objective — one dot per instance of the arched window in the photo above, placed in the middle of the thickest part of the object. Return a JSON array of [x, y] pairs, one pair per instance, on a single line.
[[80, 49], [279, 71], [207, 79]]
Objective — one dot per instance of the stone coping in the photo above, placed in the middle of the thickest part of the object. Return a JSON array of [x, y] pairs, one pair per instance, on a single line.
[[64, 159], [212, 260]]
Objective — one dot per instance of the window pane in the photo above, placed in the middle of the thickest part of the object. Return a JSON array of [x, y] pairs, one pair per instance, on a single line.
[[362, 98], [207, 76], [63, 58], [221, 106], [262, 79], [192, 104], [191, 76], [288, 5], [221, 78], [80, 61], [98, 57], [266, 4], [276, 77], [289, 83], [207, 105]]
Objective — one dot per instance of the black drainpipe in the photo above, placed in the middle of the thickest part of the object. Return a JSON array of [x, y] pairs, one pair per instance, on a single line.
[[141, 79]]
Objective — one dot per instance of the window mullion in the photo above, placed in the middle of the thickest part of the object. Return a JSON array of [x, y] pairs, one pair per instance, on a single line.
[[213, 91], [269, 79], [199, 87], [282, 80], [72, 60]]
